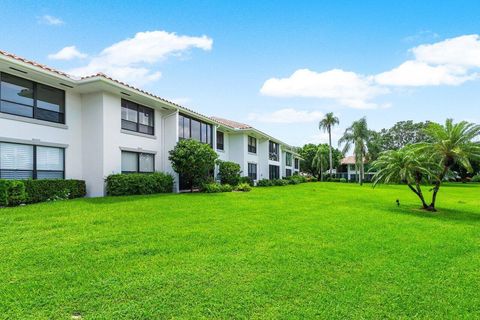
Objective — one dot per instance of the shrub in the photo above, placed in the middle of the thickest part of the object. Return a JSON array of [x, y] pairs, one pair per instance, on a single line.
[[264, 183], [229, 172], [12, 193], [296, 179], [247, 180], [139, 183], [245, 187], [343, 180], [280, 182], [193, 160], [476, 178], [50, 190], [216, 188]]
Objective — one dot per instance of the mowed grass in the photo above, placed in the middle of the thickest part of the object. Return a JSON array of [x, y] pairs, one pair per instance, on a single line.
[[316, 250]]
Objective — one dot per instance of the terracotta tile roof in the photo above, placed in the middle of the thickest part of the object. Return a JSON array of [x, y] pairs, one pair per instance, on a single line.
[[102, 75], [350, 160], [231, 124], [33, 63]]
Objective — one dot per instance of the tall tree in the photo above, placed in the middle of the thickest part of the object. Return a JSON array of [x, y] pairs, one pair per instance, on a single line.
[[452, 143], [357, 135], [320, 159], [326, 124], [402, 134]]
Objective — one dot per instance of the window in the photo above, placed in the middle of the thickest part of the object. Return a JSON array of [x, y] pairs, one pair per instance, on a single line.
[[288, 159], [296, 163], [273, 151], [29, 99], [252, 171], [22, 161], [137, 162], [252, 144], [220, 140], [274, 172], [189, 128], [288, 172], [137, 118]]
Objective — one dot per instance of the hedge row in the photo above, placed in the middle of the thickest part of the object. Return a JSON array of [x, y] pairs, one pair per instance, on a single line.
[[16, 192], [295, 179], [139, 183]]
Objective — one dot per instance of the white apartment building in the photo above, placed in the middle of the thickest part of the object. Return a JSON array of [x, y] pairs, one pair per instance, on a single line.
[[54, 126]]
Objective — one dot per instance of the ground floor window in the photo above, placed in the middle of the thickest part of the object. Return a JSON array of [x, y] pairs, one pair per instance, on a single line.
[[274, 172], [137, 162], [252, 171], [288, 172], [23, 161]]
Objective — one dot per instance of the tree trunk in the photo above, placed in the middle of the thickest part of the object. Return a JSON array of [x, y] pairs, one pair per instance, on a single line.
[[436, 188], [418, 192], [330, 150], [321, 169], [362, 169]]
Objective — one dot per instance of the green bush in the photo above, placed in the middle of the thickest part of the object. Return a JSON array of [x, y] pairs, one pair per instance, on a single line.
[[476, 178], [280, 182], [12, 193], [139, 183], [216, 188], [264, 183], [296, 179], [247, 180], [245, 187], [229, 172], [50, 190], [343, 180]]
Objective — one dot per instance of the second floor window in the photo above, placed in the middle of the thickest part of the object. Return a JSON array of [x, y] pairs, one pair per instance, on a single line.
[[288, 159], [29, 99], [137, 118], [189, 128], [273, 150], [252, 144], [297, 163], [220, 140]]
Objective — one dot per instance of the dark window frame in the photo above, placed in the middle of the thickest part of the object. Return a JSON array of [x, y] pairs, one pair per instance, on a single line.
[[288, 173], [138, 108], [221, 141], [137, 154], [252, 174], [296, 163], [288, 159], [273, 151], [35, 108], [252, 144], [273, 172], [208, 127], [34, 170]]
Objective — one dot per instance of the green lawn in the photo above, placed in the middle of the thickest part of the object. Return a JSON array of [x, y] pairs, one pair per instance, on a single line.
[[316, 250]]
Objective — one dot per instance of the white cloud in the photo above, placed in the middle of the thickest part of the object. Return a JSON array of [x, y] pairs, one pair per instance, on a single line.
[[67, 53], [416, 73], [459, 51], [449, 62], [131, 59], [347, 88], [50, 20], [288, 115]]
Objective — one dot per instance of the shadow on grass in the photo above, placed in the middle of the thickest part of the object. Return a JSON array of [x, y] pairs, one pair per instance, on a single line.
[[445, 214]]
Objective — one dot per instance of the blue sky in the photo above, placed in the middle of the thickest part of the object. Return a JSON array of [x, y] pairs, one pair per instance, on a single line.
[[277, 65]]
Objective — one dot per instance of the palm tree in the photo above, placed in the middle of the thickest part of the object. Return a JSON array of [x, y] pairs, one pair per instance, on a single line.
[[451, 144], [407, 166], [326, 124], [357, 135], [320, 159]]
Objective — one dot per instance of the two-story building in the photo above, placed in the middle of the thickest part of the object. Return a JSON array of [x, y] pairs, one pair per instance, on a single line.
[[54, 126]]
